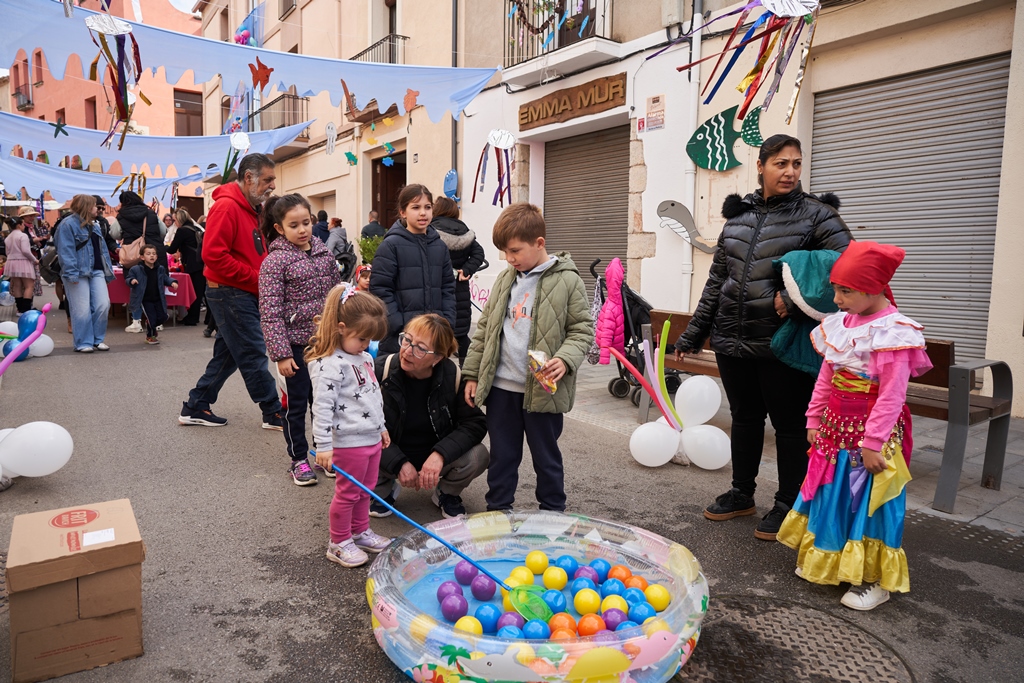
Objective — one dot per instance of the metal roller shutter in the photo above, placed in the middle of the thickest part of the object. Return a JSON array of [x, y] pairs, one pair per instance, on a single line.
[[586, 197], [331, 205], [915, 161]]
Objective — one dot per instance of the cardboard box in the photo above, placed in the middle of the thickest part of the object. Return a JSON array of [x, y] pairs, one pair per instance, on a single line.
[[74, 578]]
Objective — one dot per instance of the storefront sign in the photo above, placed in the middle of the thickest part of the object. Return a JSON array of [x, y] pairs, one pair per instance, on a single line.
[[562, 105]]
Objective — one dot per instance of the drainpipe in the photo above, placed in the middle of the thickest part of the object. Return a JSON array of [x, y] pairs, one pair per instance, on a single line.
[[455, 63], [690, 169]]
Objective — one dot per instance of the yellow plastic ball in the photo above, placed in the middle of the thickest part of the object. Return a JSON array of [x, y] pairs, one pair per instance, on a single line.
[[536, 561], [525, 654], [420, 626], [470, 625], [587, 601], [658, 596], [654, 625], [370, 589], [506, 601], [555, 578], [523, 575], [614, 602]]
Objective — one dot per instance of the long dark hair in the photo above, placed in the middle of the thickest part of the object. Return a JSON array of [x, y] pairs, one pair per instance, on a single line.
[[274, 211], [409, 194]]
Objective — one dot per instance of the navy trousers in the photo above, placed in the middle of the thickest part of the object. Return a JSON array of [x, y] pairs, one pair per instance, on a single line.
[[300, 398]]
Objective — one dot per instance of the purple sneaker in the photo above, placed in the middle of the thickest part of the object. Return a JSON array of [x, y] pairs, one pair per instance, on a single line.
[[302, 473]]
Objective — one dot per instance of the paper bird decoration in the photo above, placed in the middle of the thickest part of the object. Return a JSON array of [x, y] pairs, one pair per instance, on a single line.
[[260, 74]]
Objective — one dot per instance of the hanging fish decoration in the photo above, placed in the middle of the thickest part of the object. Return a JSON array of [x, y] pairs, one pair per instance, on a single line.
[[710, 146], [677, 218], [751, 129]]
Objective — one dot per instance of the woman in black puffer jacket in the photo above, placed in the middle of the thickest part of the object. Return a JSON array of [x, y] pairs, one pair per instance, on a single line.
[[744, 302], [467, 257], [135, 217]]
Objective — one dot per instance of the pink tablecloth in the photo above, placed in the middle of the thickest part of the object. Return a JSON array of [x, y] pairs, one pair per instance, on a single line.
[[120, 292]]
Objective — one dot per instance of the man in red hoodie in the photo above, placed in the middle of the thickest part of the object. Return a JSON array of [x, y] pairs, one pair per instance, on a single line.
[[233, 249]]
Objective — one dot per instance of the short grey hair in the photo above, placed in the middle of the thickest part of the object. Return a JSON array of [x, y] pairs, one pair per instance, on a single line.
[[254, 162]]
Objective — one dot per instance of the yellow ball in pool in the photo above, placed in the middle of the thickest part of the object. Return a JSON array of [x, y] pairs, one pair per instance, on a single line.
[[525, 654], [523, 575], [536, 561], [555, 578], [587, 601], [658, 596], [654, 625], [614, 602], [506, 601], [419, 628], [470, 625]]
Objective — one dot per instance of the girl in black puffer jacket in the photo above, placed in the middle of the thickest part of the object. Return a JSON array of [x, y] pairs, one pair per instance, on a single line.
[[467, 257], [743, 304]]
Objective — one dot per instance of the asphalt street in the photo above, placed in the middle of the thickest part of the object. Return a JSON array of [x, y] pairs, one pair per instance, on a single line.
[[236, 586]]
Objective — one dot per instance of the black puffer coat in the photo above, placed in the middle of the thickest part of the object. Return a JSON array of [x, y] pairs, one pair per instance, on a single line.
[[133, 219], [467, 255], [412, 274], [737, 306]]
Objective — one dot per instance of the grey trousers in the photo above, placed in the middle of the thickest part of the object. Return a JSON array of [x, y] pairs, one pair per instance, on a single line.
[[455, 476]]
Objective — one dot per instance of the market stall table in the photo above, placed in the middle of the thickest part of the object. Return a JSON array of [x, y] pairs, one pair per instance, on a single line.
[[120, 292]]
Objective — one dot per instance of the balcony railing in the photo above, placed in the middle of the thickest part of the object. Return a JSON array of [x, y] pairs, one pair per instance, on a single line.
[[537, 27], [388, 50], [23, 97], [285, 110]]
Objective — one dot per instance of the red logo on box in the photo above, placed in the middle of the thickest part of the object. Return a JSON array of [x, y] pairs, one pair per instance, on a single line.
[[74, 542], [73, 518]]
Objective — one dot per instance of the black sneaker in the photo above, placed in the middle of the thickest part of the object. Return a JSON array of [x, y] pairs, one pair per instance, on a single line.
[[768, 529], [206, 418], [275, 422], [732, 503], [378, 510], [451, 506], [208, 332]]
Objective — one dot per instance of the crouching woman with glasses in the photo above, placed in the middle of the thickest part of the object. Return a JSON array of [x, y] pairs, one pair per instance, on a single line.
[[435, 436]]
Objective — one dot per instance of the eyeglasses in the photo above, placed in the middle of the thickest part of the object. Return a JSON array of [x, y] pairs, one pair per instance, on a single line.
[[418, 350]]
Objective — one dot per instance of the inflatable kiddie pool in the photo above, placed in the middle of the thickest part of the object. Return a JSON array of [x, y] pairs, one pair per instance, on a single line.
[[410, 628]]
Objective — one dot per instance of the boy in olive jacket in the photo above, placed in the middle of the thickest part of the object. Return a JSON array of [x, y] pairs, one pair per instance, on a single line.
[[538, 303]]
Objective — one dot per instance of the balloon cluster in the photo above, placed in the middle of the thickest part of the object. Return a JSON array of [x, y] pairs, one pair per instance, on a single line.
[[14, 334], [245, 38], [35, 449], [6, 298]]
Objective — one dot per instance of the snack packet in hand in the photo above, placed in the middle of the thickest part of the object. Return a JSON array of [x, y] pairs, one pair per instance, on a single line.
[[537, 361]]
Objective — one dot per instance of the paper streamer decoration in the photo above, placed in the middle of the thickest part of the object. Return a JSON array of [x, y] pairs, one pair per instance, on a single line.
[[805, 51], [790, 8], [711, 144], [332, 136], [122, 69]]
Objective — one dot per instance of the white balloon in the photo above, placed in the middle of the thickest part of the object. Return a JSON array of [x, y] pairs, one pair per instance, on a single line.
[[706, 446], [653, 444], [7, 470], [9, 327], [41, 347], [698, 400], [36, 449]]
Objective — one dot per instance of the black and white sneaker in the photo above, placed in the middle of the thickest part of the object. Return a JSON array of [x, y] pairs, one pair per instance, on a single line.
[[206, 418], [451, 506], [378, 510], [274, 422]]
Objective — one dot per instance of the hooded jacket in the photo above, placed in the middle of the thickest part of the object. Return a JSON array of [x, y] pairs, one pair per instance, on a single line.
[[139, 273], [737, 306], [293, 287], [135, 219], [412, 274], [467, 255], [611, 321], [233, 246]]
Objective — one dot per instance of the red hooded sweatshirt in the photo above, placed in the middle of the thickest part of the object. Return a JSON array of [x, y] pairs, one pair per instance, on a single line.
[[233, 247]]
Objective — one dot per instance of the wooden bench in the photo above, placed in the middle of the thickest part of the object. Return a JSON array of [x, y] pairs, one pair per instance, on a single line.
[[943, 393]]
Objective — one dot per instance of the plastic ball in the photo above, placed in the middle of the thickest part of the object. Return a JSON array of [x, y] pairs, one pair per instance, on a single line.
[[535, 629], [568, 563], [586, 572], [510, 619], [636, 581], [587, 601], [613, 617], [510, 632], [627, 625], [488, 615], [448, 588], [580, 584], [612, 587], [454, 607], [525, 654], [562, 621], [641, 612], [555, 600], [420, 626], [465, 572], [555, 578], [658, 597], [606, 637], [620, 572], [601, 566], [483, 587], [614, 602], [521, 574], [562, 634], [536, 561], [470, 625], [590, 624], [652, 626], [634, 596]]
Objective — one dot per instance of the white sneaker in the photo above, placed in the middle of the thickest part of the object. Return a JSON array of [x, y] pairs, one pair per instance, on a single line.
[[135, 327], [346, 554], [159, 328], [864, 597], [371, 542]]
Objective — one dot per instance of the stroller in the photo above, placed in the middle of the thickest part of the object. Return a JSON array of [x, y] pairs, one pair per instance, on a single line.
[[637, 313]]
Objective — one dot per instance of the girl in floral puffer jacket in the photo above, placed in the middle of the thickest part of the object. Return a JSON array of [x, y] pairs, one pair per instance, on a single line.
[[295, 278]]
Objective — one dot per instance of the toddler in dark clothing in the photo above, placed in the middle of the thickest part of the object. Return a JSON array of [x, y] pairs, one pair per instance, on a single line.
[[147, 281]]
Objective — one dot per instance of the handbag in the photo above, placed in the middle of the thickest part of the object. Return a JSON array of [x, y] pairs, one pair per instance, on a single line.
[[131, 254]]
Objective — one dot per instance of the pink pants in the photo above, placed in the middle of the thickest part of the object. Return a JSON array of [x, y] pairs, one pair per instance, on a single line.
[[350, 507]]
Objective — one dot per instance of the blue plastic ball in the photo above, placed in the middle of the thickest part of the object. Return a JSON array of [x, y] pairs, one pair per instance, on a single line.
[[568, 563], [487, 614], [9, 349], [602, 567], [612, 587], [555, 600], [626, 625], [535, 629], [634, 596], [510, 632], [641, 612], [583, 582]]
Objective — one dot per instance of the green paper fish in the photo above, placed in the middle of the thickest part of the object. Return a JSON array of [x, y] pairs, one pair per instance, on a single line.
[[351, 158], [751, 130], [710, 146]]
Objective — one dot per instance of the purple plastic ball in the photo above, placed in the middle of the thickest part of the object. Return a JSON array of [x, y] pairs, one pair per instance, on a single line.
[[454, 607], [613, 617], [465, 572], [511, 619], [448, 588], [587, 572], [482, 587], [605, 636]]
